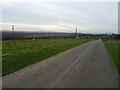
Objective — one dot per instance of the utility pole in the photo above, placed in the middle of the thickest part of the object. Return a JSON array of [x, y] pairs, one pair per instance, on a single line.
[[13, 30], [76, 32]]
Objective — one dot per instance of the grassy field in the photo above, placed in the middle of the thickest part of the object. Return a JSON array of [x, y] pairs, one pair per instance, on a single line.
[[113, 48], [17, 54]]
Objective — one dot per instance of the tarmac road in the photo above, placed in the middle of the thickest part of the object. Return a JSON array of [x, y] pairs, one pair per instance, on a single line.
[[85, 66]]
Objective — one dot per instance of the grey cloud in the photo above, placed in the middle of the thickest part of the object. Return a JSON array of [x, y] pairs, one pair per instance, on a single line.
[[96, 16]]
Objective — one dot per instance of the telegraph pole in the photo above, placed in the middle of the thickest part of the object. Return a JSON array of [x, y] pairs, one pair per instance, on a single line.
[[76, 32], [13, 30]]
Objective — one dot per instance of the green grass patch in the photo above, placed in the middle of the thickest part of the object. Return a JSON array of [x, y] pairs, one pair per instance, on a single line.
[[113, 49], [17, 54]]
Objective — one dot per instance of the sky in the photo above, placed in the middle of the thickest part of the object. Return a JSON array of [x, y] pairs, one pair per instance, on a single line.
[[88, 17]]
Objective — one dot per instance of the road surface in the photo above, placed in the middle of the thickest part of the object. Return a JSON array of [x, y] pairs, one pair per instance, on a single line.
[[85, 66]]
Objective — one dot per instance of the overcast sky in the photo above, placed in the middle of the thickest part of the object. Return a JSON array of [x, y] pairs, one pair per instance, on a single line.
[[89, 17]]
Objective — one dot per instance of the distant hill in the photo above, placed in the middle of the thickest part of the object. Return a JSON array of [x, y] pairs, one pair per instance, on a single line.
[[8, 35], [29, 35]]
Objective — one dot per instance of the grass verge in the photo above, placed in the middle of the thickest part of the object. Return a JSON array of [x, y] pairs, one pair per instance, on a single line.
[[113, 49], [17, 54]]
